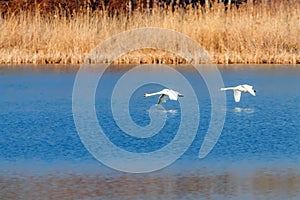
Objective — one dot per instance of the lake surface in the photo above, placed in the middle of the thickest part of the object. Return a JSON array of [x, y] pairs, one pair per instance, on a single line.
[[257, 155]]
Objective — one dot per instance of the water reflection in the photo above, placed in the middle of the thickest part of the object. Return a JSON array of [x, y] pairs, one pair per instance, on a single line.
[[196, 185], [162, 110], [243, 110]]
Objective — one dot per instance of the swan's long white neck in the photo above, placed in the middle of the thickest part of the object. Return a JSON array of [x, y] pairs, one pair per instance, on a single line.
[[152, 94], [228, 88]]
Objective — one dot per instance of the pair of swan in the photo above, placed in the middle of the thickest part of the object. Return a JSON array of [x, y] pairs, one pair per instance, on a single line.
[[173, 95]]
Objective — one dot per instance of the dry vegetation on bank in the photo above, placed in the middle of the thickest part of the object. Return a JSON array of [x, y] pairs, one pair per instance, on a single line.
[[251, 34]]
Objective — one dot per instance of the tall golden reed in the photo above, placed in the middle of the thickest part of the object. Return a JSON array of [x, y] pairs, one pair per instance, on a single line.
[[250, 34]]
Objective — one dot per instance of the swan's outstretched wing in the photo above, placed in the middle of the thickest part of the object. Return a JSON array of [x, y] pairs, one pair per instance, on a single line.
[[162, 99], [237, 95], [249, 88]]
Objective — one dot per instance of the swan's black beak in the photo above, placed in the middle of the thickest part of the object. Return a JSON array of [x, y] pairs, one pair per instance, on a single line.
[[145, 95], [255, 91], [181, 95]]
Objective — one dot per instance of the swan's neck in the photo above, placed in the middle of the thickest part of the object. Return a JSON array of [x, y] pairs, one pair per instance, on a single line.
[[153, 94], [228, 88]]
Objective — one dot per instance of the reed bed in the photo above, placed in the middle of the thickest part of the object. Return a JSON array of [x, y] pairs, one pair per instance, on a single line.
[[265, 33]]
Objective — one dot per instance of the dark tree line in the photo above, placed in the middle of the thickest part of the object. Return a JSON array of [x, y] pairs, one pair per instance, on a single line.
[[196, 3], [173, 4], [112, 6]]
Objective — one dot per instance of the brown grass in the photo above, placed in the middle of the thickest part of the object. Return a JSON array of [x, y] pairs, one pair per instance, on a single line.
[[250, 34]]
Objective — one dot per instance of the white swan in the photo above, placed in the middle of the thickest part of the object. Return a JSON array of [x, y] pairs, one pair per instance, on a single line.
[[237, 91], [165, 94]]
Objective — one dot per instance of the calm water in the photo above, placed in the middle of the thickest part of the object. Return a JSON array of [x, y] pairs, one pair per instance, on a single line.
[[256, 157]]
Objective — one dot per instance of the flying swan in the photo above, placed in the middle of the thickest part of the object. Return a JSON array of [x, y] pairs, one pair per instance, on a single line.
[[165, 94], [237, 91]]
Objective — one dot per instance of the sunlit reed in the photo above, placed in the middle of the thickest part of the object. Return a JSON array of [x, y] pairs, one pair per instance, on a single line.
[[250, 34]]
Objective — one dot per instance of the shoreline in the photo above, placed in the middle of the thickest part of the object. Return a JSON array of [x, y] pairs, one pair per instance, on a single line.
[[151, 57], [116, 68], [65, 59]]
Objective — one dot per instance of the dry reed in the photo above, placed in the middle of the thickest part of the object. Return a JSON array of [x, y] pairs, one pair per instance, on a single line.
[[250, 34]]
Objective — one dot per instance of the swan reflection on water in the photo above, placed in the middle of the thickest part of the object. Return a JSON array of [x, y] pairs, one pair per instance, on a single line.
[[160, 109], [244, 110]]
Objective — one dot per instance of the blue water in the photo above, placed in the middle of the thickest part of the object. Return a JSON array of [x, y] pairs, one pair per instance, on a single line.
[[37, 127]]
